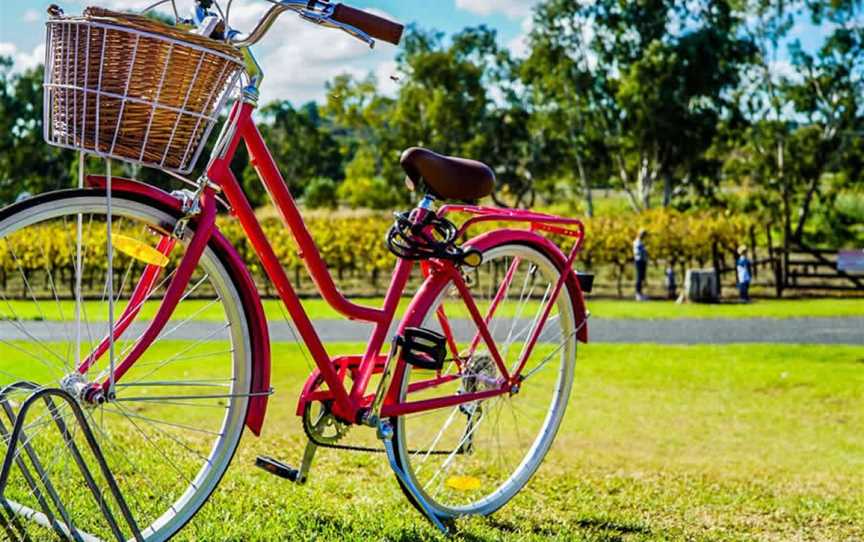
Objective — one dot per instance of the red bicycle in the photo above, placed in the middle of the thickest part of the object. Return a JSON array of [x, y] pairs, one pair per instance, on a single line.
[[137, 307]]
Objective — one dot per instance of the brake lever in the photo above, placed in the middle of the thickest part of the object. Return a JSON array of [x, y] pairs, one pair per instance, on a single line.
[[323, 19]]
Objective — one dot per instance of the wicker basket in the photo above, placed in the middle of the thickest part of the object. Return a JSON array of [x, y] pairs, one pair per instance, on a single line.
[[128, 87]]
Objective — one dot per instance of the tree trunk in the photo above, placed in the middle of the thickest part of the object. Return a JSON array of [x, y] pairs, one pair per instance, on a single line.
[[667, 190], [625, 183], [643, 184], [804, 212], [586, 186]]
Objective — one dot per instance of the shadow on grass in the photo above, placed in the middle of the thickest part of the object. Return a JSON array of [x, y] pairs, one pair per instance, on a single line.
[[595, 529], [600, 529]]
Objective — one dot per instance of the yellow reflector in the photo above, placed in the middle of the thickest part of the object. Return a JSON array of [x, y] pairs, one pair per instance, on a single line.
[[138, 250], [463, 483], [472, 258]]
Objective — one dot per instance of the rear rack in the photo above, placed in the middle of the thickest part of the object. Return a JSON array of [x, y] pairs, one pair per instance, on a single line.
[[568, 227], [54, 514]]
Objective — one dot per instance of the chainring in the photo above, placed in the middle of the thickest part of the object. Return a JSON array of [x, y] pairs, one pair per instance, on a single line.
[[323, 428]]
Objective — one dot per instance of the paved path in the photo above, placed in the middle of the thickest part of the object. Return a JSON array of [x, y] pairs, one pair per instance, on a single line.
[[682, 331]]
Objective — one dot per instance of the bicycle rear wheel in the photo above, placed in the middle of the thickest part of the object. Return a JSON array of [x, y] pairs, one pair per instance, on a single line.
[[178, 415], [473, 458]]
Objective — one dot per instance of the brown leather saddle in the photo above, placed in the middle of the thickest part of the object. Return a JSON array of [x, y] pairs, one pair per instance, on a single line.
[[448, 177]]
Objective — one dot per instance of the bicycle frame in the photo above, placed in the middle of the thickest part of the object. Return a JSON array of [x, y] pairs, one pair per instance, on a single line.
[[347, 404]]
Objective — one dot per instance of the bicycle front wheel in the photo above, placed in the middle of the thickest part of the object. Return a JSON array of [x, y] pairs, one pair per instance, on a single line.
[[171, 430], [473, 458]]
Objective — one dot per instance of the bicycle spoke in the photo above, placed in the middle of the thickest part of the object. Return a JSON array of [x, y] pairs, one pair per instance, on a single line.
[[180, 409], [467, 459]]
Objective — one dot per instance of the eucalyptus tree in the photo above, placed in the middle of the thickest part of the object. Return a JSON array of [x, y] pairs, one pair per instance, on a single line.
[[648, 79], [27, 164], [805, 114]]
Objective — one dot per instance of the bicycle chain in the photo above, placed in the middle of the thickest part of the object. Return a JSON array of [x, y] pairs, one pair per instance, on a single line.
[[342, 429]]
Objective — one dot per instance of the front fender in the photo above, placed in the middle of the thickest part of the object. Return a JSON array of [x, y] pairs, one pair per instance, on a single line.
[[258, 333]]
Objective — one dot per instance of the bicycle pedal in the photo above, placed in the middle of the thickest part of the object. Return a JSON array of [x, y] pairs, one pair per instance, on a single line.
[[280, 469], [423, 348]]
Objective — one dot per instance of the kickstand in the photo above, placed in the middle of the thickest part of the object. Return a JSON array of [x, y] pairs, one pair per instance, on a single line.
[[306, 464], [385, 433], [283, 470]]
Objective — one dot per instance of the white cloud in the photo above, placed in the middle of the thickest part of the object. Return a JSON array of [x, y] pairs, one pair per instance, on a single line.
[[23, 60], [33, 16], [519, 45], [512, 8], [385, 73], [298, 58]]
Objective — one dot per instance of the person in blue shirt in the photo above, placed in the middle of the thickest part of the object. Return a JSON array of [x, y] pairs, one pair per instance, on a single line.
[[640, 261], [744, 273]]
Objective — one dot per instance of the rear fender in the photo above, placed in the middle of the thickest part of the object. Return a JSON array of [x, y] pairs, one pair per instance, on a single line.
[[258, 333]]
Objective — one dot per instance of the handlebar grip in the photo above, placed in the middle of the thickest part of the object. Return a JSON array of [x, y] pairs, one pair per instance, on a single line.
[[377, 27]]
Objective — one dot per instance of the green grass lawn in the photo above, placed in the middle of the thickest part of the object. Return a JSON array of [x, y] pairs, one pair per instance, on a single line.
[[659, 443], [600, 308]]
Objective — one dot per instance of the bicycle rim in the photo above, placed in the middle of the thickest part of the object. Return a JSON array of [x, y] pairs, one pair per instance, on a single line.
[[473, 458], [172, 430]]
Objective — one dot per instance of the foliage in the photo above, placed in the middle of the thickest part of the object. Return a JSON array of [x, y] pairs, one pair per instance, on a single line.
[[321, 192], [370, 193], [697, 104], [306, 149], [27, 164], [352, 243], [633, 89], [801, 142]]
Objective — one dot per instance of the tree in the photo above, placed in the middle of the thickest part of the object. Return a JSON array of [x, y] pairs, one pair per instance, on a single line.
[[361, 122], [303, 146], [321, 193], [648, 78], [27, 163], [805, 119]]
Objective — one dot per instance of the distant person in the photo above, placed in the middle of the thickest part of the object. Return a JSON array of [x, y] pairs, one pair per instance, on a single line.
[[640, 261], [744, 272]]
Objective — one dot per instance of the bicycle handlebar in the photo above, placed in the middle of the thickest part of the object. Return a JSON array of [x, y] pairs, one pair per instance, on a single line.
[[358, 23], [377, 27]]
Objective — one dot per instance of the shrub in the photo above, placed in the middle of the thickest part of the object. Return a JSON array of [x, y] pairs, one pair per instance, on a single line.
[[320, 193]]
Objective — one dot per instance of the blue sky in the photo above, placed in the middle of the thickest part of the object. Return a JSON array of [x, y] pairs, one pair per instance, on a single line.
[[298, 58]]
